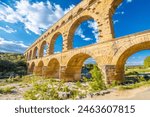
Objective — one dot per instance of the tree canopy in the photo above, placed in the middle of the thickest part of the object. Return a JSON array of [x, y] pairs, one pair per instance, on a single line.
[[12, 65]]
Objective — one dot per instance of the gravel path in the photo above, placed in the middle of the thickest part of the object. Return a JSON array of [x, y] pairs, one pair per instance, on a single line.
[[142, 93]]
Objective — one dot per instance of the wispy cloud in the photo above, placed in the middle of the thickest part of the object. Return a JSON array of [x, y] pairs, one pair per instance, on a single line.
[[79, 32], [8, 29], [129, 1], [36, 17], [93, 25], [12, 46], [120, 13], [57, 52], [115, 21]]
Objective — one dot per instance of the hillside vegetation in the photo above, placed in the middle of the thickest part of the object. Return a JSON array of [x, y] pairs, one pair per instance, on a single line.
[[12, 65]]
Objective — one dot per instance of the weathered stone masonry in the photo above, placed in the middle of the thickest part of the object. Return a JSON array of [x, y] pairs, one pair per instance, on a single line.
[[110, 53]]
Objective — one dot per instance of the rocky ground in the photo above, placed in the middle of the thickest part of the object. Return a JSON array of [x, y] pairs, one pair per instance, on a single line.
[[17, 91], [142, 93]]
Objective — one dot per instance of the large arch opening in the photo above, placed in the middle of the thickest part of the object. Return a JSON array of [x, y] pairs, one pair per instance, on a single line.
[[35, 53], [43, 49], [32, 67], [56, 44], [83, 32], [30, 55], [79, 66], [39, 68], [52, 69], [126, 68]]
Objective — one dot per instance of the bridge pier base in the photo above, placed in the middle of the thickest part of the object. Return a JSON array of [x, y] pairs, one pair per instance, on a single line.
[[38, 71], [50, 72], [68, 74], [110, 74]]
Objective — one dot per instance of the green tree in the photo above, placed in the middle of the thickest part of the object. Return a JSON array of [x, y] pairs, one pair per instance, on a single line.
[[12, 64], [97, 79], [147, 62]]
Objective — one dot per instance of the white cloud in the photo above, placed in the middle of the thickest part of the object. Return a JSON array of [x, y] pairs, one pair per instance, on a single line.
[[8, 29], [120, 5], [37, 17], [93, 25], [12, 46], [68, 9], [79, 32], [120, 13], [129, 1], [57, 52], [87, 39], [7, 14], [115, 21]]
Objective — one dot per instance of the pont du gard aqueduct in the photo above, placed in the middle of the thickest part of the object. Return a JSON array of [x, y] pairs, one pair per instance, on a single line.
[[110, 53]]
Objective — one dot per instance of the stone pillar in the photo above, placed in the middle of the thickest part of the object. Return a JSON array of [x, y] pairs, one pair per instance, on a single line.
[[67, 75], [111, 74], [67, 42], [29, 70], [49, 72], [106, 28], [62, 72], [38, 71]]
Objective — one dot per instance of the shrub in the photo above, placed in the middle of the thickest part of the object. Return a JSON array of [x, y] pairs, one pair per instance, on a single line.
[[133, 73], [78, 84], [97, 82], [6, 90]]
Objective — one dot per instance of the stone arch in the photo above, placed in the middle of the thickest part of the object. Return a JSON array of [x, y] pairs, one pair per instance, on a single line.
[[52, 42], [41, 52], [39, 68], [30, 55], [74, 66], [35, 53], [123, 54], [73, 28], [52, 69], [32, 67], [40, 64], [27, 56]]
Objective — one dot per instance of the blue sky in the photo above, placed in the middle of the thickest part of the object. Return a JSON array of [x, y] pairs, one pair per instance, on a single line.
[[23, 21]]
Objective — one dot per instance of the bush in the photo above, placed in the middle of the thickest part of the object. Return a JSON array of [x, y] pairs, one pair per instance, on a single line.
[[6, 90], [97, 82], [136, 85], [133, 73], [50, 90]]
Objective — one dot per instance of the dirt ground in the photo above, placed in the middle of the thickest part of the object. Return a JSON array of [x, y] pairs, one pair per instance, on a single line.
[[142, 93]]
